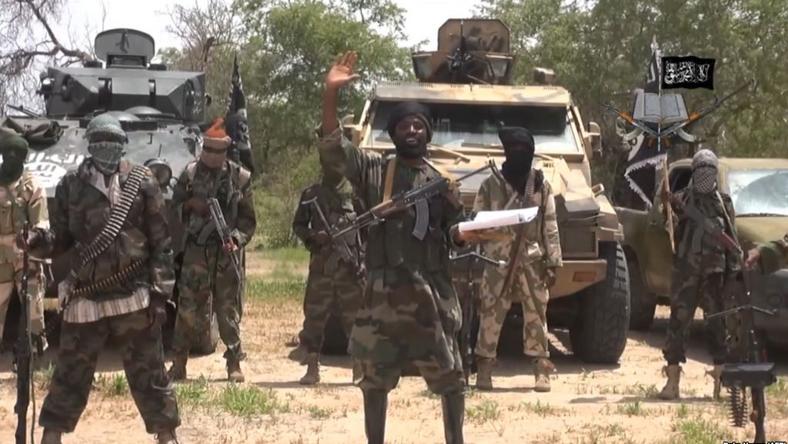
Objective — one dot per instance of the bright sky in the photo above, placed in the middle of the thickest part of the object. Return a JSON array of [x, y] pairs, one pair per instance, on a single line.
[[423, 17]]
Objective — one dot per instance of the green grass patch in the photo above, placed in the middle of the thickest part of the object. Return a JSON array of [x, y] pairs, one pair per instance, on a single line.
[[285, 254], [598, 434], [540, 409], [483, 412], [778, 390], [250, 401], [699, 431], [193, 393], [631, 409], [114, 385], [682, 412], [316, 412], [275, 289], [644, 391]]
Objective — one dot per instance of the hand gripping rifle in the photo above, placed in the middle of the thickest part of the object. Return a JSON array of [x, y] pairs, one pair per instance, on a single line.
[[417, 196], [472, 259], [224, 233], [340, 244], [24, 352], [750, 369]]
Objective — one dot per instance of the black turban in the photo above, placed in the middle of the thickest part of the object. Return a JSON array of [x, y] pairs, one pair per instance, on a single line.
[[511, 135], [406, 109]]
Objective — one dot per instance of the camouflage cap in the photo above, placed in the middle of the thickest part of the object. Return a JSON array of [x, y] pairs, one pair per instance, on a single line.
[[105, 128], [705, 158]]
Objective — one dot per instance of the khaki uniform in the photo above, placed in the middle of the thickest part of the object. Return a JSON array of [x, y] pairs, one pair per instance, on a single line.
[[22, 201], [540, 249]]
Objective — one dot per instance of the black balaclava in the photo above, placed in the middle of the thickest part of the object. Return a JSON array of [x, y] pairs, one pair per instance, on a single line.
[[518, 160], [401, 111], [13, 148]]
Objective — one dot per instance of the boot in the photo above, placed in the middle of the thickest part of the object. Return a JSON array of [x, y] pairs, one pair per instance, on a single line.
[[178, 370], [671, 389], [375, 403], [166, 438], [312, 375], [299, 354], [51, 437], [453, 415], [484, 368], [234, 373], [716, 373], [542, 369]]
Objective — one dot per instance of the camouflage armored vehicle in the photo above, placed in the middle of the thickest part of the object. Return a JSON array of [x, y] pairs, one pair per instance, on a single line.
[[758, 188], [159, 109], [467, 85]]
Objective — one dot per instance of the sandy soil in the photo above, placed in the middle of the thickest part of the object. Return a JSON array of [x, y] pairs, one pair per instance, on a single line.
[[587, 403]]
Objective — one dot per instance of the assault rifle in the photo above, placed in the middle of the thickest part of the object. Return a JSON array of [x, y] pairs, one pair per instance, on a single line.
[[224, 233], [750, 369], [472, 259], [339, 244], [417, 196], [718, 233], [23, 351]]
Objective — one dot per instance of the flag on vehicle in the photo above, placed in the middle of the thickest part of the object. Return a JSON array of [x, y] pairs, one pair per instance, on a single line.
[[687, 72]]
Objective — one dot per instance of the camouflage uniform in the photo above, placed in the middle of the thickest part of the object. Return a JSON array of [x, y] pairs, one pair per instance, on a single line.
[[701, 267], [332, 281], [410, 312], [82, 204], [540, 249], [774, 255], [21, 201], [208, 282]]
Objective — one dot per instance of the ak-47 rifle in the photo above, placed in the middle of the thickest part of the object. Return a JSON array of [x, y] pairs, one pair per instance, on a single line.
[[750, 370], [407, 199], [24, 351], [468, 305], [340, 244], [224, 232]]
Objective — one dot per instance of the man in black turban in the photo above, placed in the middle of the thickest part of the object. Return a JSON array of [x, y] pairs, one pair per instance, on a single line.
[[518, 146], [410, 128]]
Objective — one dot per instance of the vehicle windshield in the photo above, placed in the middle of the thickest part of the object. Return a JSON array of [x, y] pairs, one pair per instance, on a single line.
[[759, 192], [458, 126]]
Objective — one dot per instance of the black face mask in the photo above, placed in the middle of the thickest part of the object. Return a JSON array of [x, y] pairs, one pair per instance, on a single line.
[[516, 168], [12, 167]]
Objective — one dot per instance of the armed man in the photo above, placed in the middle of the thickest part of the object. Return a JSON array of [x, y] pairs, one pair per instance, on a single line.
[[336, 271], [111, 213], [410, 313], [22, 202], [211, 277], [702, 264], [533, 251]]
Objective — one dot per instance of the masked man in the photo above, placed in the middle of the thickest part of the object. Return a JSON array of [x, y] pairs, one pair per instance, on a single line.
[[410, 313], [701, 266], [111, 212], [22, 201], [535, 252], [336, 275], [208, 275]]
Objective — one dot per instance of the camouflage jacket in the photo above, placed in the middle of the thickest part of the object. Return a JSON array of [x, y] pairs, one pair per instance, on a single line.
[[22, 201], [81, 208], [338, 209], [231, 186], [694, 246], [540, 239], [774, 255]]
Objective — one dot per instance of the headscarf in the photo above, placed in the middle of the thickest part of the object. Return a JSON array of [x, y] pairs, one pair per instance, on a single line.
[[704, 171], [106, 140], [215, 144], [518, 161], [13, 148], [401, 111]]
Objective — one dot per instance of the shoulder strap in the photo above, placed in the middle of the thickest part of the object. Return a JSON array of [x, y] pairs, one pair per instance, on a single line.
[[388, 178], [117, 217]]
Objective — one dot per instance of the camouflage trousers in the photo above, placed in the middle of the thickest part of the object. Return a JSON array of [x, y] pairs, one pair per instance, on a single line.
[[34, 290], [143, 362], [528, 288], [208, 284], [339, 293], [691, 288]]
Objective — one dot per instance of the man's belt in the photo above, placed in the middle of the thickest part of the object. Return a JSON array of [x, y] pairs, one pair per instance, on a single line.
[[118, 278]]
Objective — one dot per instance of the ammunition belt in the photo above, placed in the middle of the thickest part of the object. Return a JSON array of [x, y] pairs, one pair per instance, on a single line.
[[117, 278]]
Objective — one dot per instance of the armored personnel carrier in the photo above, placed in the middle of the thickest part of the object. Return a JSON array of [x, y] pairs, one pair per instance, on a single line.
[[159, 109], [467, 84]]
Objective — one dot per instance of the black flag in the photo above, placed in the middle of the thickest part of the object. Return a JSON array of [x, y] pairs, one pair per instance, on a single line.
[[687, 72], [237, 100], [236, 121]]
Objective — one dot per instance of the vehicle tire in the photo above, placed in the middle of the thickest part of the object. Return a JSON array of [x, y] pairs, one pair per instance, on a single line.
[[599, 333], [206, 343], [643, 303]]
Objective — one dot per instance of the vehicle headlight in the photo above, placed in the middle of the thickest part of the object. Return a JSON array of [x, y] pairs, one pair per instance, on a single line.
[[161, 171]]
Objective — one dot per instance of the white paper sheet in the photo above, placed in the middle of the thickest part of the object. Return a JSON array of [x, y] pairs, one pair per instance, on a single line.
[[497, 219]]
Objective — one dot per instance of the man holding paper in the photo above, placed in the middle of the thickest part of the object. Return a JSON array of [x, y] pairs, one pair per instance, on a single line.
[[532, 249]]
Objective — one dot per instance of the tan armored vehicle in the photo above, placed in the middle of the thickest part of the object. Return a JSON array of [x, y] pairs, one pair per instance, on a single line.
[[467, 85]]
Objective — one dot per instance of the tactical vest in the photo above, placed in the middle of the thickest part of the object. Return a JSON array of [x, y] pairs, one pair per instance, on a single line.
[[392, 243], [13, 202], [227, 189]]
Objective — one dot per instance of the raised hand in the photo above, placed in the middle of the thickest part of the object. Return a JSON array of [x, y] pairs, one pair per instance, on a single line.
[[342, 71]]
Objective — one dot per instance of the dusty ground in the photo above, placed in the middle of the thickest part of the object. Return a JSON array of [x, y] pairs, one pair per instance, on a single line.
[[588, 403]]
